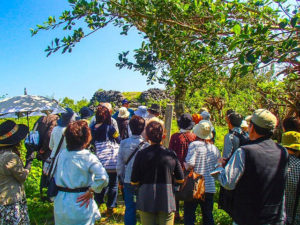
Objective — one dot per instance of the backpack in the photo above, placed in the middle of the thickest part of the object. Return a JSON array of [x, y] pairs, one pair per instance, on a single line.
[[243, 137]]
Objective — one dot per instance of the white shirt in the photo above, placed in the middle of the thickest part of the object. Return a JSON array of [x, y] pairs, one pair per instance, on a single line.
[[56, 135]]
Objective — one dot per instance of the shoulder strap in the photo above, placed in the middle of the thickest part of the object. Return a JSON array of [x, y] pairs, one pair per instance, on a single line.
[[133, 153], [56, 153], [185, 137]]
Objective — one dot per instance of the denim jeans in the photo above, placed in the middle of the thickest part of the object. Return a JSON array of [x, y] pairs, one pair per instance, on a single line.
[[206, 209], [111, 190], [130, 205]]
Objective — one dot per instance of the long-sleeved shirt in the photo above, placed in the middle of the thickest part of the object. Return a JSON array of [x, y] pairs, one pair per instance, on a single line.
[[203, 157], [179, 143], [231, 142], [232, 173], [77, 169], [154, 168], [12, 178], [127, 146], [56, 135]]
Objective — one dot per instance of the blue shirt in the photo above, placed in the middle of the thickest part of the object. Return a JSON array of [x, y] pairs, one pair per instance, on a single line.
[[231, 142]]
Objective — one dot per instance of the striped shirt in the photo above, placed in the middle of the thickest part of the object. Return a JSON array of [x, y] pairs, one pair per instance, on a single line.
[[203, 158]]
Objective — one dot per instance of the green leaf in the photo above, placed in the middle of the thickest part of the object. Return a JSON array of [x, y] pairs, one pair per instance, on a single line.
[[237, 29], [250, 58], [294, 21], [282, 25], [241, 59]]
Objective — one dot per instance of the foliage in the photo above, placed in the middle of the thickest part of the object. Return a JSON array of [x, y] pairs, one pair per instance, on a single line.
[[190, 43], [132, 96], [76, 106]]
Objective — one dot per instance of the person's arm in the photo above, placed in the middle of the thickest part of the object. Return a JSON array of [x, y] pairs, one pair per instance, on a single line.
[[227, 146], [233, 171], [120, 160], [171, 143], [190, 158], [51, 142], [15, 166], [178, 172], [100, 181], [114, 134]]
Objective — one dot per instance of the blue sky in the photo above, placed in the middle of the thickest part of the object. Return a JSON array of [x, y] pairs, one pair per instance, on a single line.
[[89, 67]]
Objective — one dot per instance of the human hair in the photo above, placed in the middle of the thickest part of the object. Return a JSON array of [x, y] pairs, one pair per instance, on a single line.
[[14, 148], [78, 135], [262, 131], [235, 119], [154, 131], [206, 141], [291, 124], [155, 113], [136, 124], [229, 111], [103, 115]]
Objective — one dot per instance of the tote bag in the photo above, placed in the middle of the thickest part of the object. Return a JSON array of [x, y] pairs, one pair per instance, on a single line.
[[107, 152], [193, 187]]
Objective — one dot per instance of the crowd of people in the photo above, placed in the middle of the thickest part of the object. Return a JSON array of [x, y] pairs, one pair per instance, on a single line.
[[92, 157]]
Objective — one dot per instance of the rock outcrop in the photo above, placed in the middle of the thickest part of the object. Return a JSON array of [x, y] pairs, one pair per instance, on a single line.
[[155, 94]]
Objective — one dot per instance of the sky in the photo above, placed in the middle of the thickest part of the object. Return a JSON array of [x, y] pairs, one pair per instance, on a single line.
[[89, 67]]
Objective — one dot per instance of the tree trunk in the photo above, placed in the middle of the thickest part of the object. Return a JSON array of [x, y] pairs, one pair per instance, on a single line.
[[180, 93]]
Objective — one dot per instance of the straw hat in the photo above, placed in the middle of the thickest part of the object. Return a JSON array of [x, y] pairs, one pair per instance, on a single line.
[[204, 130], [123, 113]]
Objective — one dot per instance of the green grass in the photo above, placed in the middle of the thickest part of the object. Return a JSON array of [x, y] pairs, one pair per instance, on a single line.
[[132, 95]]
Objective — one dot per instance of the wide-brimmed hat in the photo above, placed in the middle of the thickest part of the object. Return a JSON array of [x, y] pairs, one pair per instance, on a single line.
[[205, 115], [66, 118], [264, 119], [123, 113], [204, 130], [291, 139], [155, 107], [85, 112], [12, 133], [141, 111], [185, 121]]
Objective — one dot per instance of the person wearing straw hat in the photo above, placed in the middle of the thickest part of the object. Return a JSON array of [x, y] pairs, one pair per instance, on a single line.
[[13, 206], [123, 123], [257, 173], [125, 103], [291, 141], [202, 156]]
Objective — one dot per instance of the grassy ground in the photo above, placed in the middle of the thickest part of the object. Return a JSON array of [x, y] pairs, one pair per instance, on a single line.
[[41, 213]]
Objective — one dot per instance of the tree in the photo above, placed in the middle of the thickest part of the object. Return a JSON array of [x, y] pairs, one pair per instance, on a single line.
[[188, 43]]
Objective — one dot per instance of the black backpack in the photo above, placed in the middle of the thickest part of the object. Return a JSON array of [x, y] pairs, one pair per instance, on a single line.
[[243, 137]]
